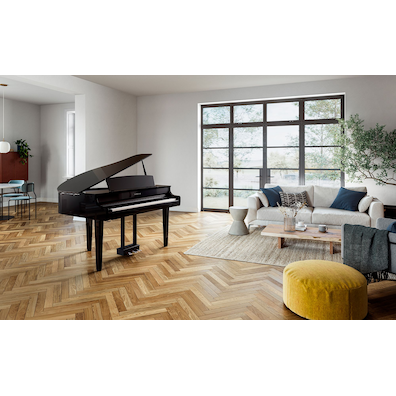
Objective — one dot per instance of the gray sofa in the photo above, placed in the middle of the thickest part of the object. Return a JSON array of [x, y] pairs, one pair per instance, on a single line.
[[381, 224], [318, 210]]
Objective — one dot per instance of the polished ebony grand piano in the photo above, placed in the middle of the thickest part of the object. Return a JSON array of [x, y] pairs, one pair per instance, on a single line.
[[124, 196]]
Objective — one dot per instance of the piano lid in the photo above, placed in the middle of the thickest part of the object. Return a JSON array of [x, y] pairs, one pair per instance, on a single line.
[[86, 180]]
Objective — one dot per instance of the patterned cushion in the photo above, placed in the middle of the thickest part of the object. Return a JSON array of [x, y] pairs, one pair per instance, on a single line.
[[290, 199]]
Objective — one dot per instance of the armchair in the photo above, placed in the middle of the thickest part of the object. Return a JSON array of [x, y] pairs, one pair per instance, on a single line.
[[381, 224]]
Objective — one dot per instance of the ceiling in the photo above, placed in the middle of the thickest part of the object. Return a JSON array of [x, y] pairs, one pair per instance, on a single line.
[[32, 94], [140, 85]]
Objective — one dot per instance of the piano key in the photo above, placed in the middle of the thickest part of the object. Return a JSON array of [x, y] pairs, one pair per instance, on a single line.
[[119, 208]]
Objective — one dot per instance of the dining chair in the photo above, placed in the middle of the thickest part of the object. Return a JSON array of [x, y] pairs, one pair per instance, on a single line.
[[17, 190], [20, 200]]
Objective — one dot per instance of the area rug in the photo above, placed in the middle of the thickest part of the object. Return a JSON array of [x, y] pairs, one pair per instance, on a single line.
[[256, 248]]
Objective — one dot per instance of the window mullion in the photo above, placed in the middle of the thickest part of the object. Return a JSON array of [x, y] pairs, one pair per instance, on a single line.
[[302, 144]]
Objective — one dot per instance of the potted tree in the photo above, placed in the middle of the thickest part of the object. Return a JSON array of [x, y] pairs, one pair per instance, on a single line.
[[366, 154], [23, 150]]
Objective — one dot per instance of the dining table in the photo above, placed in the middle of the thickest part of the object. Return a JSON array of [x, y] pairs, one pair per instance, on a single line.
[[2, 187]]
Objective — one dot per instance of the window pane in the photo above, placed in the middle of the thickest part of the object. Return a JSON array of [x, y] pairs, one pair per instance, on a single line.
[[215, 199], [215, 137], [240, 197], [282, 157], [248, 158], [323, 178], [70, 161], [286, 111], [320, 158], [215, 158], [248, 113], [283, 135], [248, 137], [247, 178], [216, 115], [322, 109], [284, 177], [215, 178], [321, 135]]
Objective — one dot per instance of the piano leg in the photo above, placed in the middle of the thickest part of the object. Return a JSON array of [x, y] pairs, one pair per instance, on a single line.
[[134, 229], [89, 234], [165, 224], [99, 243]]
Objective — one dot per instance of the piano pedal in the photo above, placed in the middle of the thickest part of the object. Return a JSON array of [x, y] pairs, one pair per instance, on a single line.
[[128, 250], [133, 251]]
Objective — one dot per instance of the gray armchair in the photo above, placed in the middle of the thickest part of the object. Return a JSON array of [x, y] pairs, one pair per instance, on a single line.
[[381, 224]]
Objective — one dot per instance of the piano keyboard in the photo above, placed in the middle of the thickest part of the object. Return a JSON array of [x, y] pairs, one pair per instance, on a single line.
[[139, 205], [134, 200]]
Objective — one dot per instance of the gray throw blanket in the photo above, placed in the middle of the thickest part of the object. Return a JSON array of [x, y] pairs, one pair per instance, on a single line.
[[367, 250]]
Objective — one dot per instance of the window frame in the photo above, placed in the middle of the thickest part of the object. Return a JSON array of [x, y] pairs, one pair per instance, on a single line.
[[263, 172]]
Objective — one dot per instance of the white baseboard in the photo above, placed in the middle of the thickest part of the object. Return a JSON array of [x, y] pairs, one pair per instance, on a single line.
[[52, 200]]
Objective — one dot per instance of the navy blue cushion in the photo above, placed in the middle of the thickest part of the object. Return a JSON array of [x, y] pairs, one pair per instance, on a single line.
[[392, 227], [347, 199], [272, 195]]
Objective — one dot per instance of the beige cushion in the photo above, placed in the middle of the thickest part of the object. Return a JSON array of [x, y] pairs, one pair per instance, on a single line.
[[365, 203], [338, 217], [325, 196], [263, 198]]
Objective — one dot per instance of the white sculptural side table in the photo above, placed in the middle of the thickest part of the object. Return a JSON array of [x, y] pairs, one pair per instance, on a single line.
[[238, 227]]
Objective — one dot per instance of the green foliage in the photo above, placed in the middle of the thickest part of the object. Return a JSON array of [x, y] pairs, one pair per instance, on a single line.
[[366, 154], [23, 150]]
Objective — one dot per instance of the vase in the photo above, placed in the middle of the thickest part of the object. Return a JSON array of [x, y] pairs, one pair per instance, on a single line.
[[289, 224]]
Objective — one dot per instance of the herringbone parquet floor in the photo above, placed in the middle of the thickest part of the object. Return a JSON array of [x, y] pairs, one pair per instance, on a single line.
[[46, 273]]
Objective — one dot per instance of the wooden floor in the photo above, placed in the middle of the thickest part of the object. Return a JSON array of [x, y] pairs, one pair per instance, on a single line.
[[46, 273]]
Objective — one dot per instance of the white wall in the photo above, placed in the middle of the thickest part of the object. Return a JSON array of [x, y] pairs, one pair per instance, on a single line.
[[106, 130], [168, 126], [105, 120], [22, 121], [53, 149]]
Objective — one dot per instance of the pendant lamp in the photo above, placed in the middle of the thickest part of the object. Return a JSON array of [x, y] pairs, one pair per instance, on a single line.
[[4, 146]]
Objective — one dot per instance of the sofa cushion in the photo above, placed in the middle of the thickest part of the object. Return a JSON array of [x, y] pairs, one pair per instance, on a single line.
[[338, 217], [347, 199], [274, 214], [298, 189], [392, 227], [364, 203], [325, 196], [263, 198], [291, 199], [272, 195]]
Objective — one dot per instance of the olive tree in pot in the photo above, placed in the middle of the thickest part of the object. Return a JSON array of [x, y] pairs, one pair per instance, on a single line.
[[366, 153], [23, 150]]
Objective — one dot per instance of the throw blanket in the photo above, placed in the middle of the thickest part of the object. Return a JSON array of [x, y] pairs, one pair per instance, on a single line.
[[367, 250]]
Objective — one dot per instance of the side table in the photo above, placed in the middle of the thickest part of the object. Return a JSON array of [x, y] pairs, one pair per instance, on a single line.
[[390, 211], [238, 227]]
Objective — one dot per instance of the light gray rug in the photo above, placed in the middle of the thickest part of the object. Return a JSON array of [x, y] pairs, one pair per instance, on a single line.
[[255, 248]]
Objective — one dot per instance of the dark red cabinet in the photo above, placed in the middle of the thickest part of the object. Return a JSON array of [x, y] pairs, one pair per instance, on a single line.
[[12, 169]]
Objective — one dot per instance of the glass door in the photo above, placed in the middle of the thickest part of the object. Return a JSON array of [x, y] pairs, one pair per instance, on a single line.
[[287, 142]]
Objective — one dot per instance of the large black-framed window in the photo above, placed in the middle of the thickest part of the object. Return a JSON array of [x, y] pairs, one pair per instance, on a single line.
[[246, 145]]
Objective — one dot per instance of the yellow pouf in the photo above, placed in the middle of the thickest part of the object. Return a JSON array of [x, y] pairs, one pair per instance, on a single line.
[[319, 289]]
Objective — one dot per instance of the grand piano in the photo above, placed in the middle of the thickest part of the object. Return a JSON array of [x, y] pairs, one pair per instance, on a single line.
[[124, 196]]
